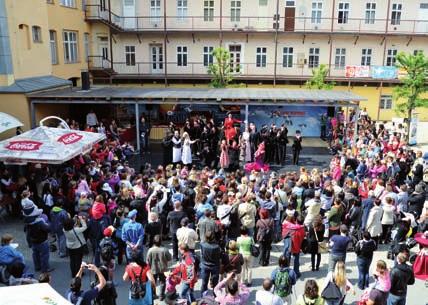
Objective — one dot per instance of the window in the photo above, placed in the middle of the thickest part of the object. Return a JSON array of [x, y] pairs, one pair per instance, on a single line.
[[314, 57], [235, 10], [155, 10], [396, 13], [86, 45], [208, 56], [385, 102], [342, 16], [287, 57], [182, 56], [69, 3], [261, 57], [366, 57], [37, 34], [130, 55], [390, 57], [50, 1], [263, 2], [70, 46], [370, 12], [339, 60], [181, 9], [54, 48], [316, 12], [415, 52], [290, 3], [208, 10]]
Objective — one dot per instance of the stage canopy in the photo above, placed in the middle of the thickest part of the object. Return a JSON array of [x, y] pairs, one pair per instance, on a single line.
[[47, 145], [34, 294]]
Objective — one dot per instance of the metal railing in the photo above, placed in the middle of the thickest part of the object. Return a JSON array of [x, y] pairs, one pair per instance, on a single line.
[[300, 24]]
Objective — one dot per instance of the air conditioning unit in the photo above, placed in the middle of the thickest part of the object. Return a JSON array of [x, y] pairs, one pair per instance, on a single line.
[[155, 25], [301, 61]]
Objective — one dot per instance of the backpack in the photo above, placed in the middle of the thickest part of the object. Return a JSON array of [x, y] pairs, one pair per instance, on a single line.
[[138, 288], [74, 299], [264, 234], [107, 249], [282, 284]]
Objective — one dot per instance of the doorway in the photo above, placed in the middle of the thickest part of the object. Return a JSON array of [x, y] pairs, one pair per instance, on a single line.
[[289, 15], [156, 55], [422, 22], [235, 58], [129, 14]]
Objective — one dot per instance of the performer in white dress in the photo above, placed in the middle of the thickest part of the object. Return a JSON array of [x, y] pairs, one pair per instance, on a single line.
[[176, 147], [186, 156]]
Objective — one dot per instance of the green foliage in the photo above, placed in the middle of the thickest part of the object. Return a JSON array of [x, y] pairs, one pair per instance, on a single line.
[[317, 81], [221, 68]]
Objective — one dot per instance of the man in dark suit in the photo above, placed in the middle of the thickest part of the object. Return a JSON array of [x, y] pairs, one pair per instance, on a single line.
[[297, 147]]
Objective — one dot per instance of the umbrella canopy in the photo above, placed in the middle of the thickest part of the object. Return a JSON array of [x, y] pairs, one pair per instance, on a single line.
[[47, 145], [34, 294], [8, 122]]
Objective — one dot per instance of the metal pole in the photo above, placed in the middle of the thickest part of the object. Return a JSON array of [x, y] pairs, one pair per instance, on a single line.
[[276, 42], [137, 126]]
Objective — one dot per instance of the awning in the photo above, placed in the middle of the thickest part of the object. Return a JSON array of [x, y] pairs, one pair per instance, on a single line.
[[8, 122], [47, 145]]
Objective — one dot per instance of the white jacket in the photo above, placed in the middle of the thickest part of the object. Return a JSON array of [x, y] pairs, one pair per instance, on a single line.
[[388, 214], [374, 225]]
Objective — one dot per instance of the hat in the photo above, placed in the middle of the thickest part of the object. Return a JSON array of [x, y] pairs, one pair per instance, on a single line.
[[422, 239], [107, 188], [109, 231], [119, 168], [132, 213], [230, 194]]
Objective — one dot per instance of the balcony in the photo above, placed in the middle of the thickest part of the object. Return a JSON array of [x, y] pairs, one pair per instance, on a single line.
[[250, 24], [101, 69]]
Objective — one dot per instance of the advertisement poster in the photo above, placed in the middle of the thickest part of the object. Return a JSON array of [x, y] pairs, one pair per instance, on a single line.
[[305, 119], [384, 72], [413, 130], [357, 71]]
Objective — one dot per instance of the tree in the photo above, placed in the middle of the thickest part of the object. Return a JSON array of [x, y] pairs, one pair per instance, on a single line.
[[413, 85], [317, 81], [221, 68]]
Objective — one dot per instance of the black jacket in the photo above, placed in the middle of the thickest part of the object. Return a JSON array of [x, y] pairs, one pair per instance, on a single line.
[[401, 276], [210, 254], [174, 219], [416, 203], [37, 232]]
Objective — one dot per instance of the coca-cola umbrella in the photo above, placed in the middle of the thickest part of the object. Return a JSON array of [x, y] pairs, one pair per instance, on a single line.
[[47, 145], [8, 122]]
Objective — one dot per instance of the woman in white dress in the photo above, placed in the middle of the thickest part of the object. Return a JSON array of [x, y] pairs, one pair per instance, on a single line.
[[186, 156], [176, 147], [246, 146]]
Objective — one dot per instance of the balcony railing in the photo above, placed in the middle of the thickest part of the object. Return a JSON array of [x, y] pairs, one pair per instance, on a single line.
[[198, 69], [256, 23]]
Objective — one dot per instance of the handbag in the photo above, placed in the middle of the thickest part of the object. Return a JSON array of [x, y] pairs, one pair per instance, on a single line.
[[322, 245], [331, 292], [254, 249], [83, 246]]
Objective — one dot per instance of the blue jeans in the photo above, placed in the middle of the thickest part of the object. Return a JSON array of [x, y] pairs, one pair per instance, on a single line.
[[333, 259], [363, 265], [62, 249], [296, 266], [41, 256], [250, 232], [187, 293], [129, 253], [206, 273], [396, 299], [287, 247], [277, 233]]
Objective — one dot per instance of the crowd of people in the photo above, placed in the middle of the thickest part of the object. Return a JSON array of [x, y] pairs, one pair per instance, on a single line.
[[220, 220]]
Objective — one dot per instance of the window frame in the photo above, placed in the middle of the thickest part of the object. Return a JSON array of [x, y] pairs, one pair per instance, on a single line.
[[316, 12], [339, 58], [366, 56], [71, 47], [261, 57], [343, 12], [370, 13], [391, 57], [36, 34], [385, 102], [396, 11], [235, 10], [207, 55], [287, 57], [130, 53], [53, 45], [182, 10], [155, 10], [314, 57], [182, 56], [68, 3], [209, 10]]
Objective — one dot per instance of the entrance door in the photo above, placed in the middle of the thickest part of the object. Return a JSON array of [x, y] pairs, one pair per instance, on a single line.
[[156, 55], [422, 23], [103, 50], [155, 12], [290, 11], [129, 14], [235, 58], [104, 9]]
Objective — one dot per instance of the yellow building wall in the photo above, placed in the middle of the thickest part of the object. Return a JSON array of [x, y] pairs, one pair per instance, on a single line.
[[17, 106], [72, 19], [29, 58]]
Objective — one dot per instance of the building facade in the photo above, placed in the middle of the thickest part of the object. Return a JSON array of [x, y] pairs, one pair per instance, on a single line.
[[271, 42]]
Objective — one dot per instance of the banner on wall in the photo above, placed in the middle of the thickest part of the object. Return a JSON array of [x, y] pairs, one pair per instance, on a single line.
[[305, 119], [357, 71], [413, 127], [383, 72]]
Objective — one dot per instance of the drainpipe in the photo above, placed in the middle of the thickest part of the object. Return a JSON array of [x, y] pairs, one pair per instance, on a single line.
[[111, 49], [388, 10], [109, 11], [331, 37], [276, 42], [221, 22], [165, 41]]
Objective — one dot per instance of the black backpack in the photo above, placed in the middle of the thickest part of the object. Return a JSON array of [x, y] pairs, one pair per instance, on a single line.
[[107, 249], [138, 288]]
